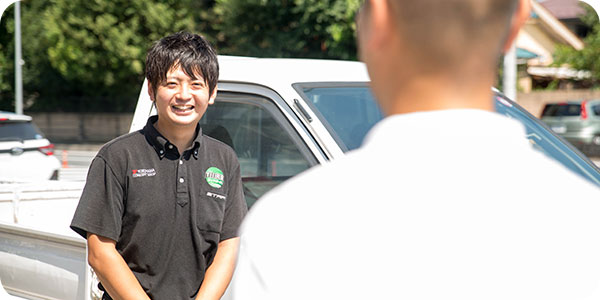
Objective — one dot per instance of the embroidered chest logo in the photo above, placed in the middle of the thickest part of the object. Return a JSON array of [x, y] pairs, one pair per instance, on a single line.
[[143, 173], [216, 195], [214, 176]]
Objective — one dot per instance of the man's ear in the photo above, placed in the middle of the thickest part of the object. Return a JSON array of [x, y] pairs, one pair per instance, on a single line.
[[150, 91], [379, 24], [518, 20], [211, 100]]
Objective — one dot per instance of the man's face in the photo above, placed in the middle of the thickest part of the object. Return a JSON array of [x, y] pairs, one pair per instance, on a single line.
[[181, 100]]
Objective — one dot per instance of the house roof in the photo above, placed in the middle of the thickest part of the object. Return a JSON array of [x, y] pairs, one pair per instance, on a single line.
[[541, 34], [555, 27], [563, 9]]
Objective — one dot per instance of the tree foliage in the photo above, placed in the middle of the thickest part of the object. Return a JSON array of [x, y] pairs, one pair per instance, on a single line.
[[101, 45], [6, 61], [288, 28], [589, 57], [88, 55]]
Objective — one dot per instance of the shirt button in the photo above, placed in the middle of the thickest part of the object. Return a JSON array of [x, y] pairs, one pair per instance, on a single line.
[[181, 162], [161, 152], [181, 180], [170, 146]]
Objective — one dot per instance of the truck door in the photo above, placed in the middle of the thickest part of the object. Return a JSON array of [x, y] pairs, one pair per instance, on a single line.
[[268, 147]]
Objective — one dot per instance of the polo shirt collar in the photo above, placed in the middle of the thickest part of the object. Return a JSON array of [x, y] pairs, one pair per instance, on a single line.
[[161, 144]]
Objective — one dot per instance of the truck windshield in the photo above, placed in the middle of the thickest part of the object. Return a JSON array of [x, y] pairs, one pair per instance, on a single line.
[[349, 111]]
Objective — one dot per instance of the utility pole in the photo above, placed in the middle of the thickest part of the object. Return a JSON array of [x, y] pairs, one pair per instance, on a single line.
[[18, 61], [509, 76]]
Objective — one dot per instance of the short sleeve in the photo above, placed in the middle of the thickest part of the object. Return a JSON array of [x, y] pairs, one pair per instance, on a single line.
[[236, 207], [101, 206]]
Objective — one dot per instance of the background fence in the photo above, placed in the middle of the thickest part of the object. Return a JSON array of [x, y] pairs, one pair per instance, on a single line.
[[102, 127], [82, 127]]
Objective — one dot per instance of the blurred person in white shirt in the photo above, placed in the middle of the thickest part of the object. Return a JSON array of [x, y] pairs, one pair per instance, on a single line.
[[445, 199]]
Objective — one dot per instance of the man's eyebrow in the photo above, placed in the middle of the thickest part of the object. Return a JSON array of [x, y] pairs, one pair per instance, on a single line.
[[183, 77]]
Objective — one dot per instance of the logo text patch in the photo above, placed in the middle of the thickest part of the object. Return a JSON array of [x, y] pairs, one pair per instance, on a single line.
[[214, 176], [143, 173], [216, 196]]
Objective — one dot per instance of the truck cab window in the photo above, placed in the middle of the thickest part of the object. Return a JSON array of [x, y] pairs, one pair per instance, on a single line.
[[269, 152]]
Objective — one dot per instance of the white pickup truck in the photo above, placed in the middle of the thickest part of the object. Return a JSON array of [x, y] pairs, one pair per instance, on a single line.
[[281, 116]]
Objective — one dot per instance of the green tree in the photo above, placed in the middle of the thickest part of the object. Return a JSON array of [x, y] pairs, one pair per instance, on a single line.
[[589, 57], [100, 45], [7, 74], [287, 28], [89, 54]]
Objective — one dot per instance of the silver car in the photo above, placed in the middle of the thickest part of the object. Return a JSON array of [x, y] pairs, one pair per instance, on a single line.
[[576, 121]]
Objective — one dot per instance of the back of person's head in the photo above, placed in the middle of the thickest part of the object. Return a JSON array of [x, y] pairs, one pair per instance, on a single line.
[[191, 52], [447, 33]]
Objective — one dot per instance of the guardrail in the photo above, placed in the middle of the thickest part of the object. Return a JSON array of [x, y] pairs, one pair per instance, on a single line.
[[45, 199], [41, 265], [40, 257]]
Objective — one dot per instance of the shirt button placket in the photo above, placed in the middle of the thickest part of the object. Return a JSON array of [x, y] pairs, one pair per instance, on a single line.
[[182, 186]]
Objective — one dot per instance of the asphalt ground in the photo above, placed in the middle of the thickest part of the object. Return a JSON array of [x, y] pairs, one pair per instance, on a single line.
[[75, 160]]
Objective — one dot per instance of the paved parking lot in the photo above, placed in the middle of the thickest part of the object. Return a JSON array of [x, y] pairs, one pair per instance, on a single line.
[[75, 160]]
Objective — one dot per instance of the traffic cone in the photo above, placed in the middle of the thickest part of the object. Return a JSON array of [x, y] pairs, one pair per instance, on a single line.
[[65, 159]]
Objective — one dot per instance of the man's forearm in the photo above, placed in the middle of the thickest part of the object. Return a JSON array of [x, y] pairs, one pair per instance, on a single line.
[[112, 270], [219, 274]]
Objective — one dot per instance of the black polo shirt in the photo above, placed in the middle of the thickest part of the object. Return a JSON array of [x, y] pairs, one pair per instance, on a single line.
[[166, 212]]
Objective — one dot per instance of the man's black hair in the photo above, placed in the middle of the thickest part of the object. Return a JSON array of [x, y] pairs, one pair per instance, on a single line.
[[191, 52]]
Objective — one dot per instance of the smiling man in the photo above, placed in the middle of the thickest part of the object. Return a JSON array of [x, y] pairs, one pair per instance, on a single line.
[[161, 206]]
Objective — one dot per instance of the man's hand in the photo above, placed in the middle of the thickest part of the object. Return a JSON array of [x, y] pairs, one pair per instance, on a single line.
[[113, 272], [219, 274]]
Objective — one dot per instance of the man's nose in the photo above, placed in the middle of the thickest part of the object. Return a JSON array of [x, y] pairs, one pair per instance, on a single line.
[[185, 92]]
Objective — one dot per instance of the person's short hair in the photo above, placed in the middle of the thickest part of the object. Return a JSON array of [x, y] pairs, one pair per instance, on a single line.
[[444, 32], [191, 52]]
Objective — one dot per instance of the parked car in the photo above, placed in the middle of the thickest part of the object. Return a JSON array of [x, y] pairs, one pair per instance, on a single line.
[[25, 155], [577, 121], [282, 116]]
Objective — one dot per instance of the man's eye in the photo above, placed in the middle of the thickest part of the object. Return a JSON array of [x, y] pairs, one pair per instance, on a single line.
[[171, 84]]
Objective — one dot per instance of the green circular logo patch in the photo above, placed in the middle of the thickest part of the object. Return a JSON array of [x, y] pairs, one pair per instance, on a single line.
[[214, 177]]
